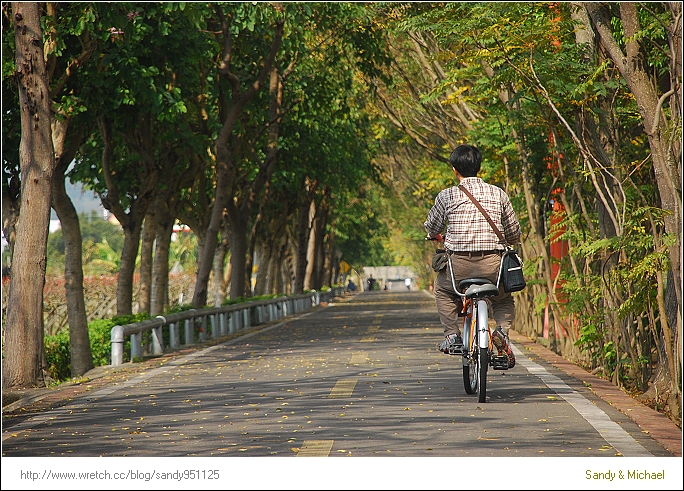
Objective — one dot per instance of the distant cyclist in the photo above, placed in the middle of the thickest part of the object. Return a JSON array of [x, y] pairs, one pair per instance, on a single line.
[[473, 247]]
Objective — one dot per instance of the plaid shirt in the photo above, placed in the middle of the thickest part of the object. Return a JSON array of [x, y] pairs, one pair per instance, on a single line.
[[467, 230]]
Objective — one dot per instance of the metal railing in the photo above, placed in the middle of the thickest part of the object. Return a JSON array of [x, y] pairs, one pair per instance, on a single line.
[[213, 321]]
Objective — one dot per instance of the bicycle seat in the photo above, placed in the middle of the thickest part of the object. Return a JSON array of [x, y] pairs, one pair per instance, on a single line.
[[480, 291], [464, 284]]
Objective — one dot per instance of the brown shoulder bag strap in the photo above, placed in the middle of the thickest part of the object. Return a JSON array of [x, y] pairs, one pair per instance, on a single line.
[[486, 215]]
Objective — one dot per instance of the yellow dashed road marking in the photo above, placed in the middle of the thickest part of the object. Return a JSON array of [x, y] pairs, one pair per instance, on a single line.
[[343, 388], [358, 358], [316, 448]]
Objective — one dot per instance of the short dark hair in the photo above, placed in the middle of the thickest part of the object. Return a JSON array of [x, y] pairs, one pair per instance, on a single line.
[[466, 159]]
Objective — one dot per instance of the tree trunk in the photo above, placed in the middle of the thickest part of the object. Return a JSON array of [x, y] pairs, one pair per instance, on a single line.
[[146, 258], [311, 247], [159, 300], [24, 354], [318, 232], [329, 263], [129, 254], [219, 269], [238, 250], [302, 242], [210, 240], [79, 340]]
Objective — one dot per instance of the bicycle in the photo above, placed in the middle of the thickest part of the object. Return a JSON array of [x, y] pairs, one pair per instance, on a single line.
[[477, 351]]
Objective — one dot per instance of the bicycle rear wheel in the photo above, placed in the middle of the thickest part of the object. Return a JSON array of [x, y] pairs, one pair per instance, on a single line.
[[482, 364], [470, 372], [469, 357]]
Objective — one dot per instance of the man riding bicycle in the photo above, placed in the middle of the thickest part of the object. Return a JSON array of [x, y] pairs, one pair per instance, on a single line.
[[473, 247]]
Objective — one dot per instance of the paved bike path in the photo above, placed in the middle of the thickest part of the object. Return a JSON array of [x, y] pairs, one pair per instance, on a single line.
[[360, 377]]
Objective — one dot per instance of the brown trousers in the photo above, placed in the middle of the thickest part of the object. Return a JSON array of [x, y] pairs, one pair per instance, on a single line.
[[449, 304]]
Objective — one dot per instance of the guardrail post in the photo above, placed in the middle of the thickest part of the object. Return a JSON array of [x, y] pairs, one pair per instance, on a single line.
[[136, 346], [232, 322], [222, 322], [117, 345], [246, 321], [203, 332], [158, 337], [214, 326], [174, 335], [188, 329]]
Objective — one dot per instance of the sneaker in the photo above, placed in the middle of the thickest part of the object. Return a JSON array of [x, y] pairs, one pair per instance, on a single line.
[[452, 344], [503, 345]]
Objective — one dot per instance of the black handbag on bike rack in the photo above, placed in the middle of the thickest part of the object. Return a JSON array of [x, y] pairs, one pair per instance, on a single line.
[[510, 270]]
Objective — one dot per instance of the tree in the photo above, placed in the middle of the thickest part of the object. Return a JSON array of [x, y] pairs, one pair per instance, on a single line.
[[661, 115], [230, 23], [136, 92], [24, 356], [63, 63]]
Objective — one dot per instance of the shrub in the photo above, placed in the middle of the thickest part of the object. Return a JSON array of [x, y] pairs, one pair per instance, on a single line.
[[58, 356], [58, 347]]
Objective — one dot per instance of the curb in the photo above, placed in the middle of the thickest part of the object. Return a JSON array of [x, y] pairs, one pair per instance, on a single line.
[[656, 425]]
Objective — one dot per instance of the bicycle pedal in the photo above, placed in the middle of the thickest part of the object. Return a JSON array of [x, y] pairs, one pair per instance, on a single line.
[[499, 362], [456, 351]]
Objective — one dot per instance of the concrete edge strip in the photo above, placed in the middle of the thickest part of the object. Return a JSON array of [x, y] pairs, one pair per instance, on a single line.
[[655, 424], [609, 430]]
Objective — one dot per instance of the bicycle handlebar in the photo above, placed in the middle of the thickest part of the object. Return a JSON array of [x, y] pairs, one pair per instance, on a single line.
[[438, 238]]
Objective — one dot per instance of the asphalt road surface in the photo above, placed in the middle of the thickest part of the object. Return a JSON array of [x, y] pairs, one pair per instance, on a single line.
[[356, 378]]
